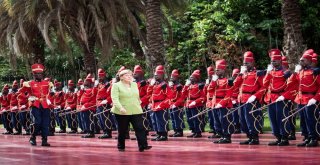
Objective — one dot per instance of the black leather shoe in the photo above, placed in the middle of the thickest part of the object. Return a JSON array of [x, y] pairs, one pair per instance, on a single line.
[[214, 136], [245, 142], [292, 137], [155, 134], [191, 136], [312, 143], [121, 149], [27, 133], [62, 131], [88, 136], [178, 134], [284, 142], [156, 138], [197, 135], [162, 138], [304, 143], [225, 141], [254, 142], [275, 143], [33, 141], [105, 136], [45, 142], [218, 141], [72, 132]]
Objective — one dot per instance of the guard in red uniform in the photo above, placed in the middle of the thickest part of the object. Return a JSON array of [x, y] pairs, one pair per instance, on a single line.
[[80, 91], [88, 106], [193, 91], [209, 95], [160, 98], [39, 104], [138, 75], [104, 105], [250, 82], [176, 105], [71, 105], [5, 109], [52, 126], [276, 84], [221, 102], [308, 97], [235, 103], [58, 105], [15, 121], [24, 112]]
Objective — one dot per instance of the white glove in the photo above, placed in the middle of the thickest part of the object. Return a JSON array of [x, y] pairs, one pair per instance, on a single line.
[[311, 102], [153, 81], [14, 108], [188, 82], [269, 68], [207, 81], [58, 107], [218, 106], [192, 104], [68, 108], [81, 86], [103, 102], [173, 106], [234, 102], [280, 98], [297, 68], [96, 83], [83, 108], [243, 69], [32, 98], [23, 106], [170, 83], [48, 102], [215, 77], [251, 99]]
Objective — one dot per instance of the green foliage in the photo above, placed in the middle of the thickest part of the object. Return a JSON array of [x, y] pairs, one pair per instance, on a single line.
[[7, 75]]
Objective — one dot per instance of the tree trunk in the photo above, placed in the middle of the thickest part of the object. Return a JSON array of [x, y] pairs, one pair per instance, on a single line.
[[155, 42], [89, 57], [293, 45], [38, 49], [13, 62]]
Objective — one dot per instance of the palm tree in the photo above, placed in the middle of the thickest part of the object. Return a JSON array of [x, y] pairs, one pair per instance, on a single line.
[[293, 45]]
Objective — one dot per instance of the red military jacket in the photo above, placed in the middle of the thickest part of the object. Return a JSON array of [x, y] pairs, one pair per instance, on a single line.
[[222, 93], [39, 90], [71, 100], [308, 86], [23, 100], [14, 101], [249, 84], [276, 84], [88, 99], [59, 99], [159, 97], [143, 93], [177, 97], [208, 93], [5, 102], [103, 93], [193, 93], [79, 95], [51, 99]]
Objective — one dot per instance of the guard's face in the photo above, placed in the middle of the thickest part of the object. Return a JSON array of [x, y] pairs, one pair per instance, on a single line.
[[249, 65], [276, 63], [174, 78], [304, 62], [158, 77], [38, 75], [193, 79], [137, 75], [220, 72]]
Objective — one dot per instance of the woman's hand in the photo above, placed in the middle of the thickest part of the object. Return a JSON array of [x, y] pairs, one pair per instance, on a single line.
[[123, 110]]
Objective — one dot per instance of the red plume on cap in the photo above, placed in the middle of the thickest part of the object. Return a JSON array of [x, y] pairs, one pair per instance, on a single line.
[[159, 70], [175, 73], [21, 82], [89, 78], [285, 62], [70, 83], [248, 57], [315, 58], [80, 82], [308, 54], [196, 74], [275, 54], [221, 64], [101, 73], [15, 83], [5, 87], [235, 72], [210, 71], [37, 68], [137, 69]]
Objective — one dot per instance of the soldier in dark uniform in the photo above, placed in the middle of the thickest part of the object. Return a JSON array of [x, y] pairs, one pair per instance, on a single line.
[[5, 109]]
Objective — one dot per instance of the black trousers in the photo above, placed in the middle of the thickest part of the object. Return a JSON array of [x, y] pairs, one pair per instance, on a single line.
[[137, 123]]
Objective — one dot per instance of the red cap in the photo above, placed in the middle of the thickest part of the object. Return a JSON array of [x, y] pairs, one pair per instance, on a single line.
[[221, 64], [175, 73], [210, 71], [5, 87], [275, 54], [315, 58], [248, 57], [89, 78], [80, 82], [15, 83], [159, 70], [137, 69], [101, 73], [308, 54], [235, 72], [196, 74], [285, 62], [121, 69], [70, 83], [57, 83], [21, 82], [37, 68]]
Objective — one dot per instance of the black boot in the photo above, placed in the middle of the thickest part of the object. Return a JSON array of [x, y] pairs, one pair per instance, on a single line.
[[247, 141], [197, 135], [89, 135], [33, 141], [45, 142], [179, 133], [157, 137], [275, 143], [215, 135], [304, 143], [163, 137], [191, 136], [255, 140], [226, 139], [106, 135], [284, 141], [313, 143], [237, 129]]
